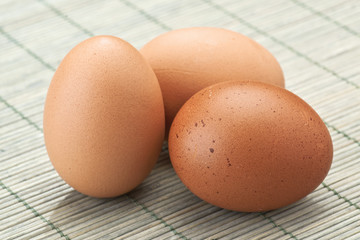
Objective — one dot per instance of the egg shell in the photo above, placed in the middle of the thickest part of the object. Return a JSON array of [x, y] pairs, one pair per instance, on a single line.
[[104, 117], [190, 59], [249, 147]]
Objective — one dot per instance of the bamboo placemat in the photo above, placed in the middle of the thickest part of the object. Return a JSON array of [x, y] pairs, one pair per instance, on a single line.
[[318, 46]]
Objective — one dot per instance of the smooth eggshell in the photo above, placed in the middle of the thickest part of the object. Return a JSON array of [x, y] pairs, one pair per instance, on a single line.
[[249, 146], [104, 117], [188, 60]]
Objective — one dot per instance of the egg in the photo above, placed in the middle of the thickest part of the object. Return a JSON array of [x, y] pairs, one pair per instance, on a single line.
[[249, 146], [104, 117], [190, 59]]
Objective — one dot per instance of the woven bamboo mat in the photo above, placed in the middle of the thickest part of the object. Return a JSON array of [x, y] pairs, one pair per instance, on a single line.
[[318, 46]]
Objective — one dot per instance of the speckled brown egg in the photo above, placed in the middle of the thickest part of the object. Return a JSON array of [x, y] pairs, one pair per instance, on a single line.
[[249, 146], [104, 117], [188, 60]]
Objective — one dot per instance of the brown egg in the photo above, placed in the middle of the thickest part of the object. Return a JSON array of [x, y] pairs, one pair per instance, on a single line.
[[104, 117], [249, 146], [188, 60]]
